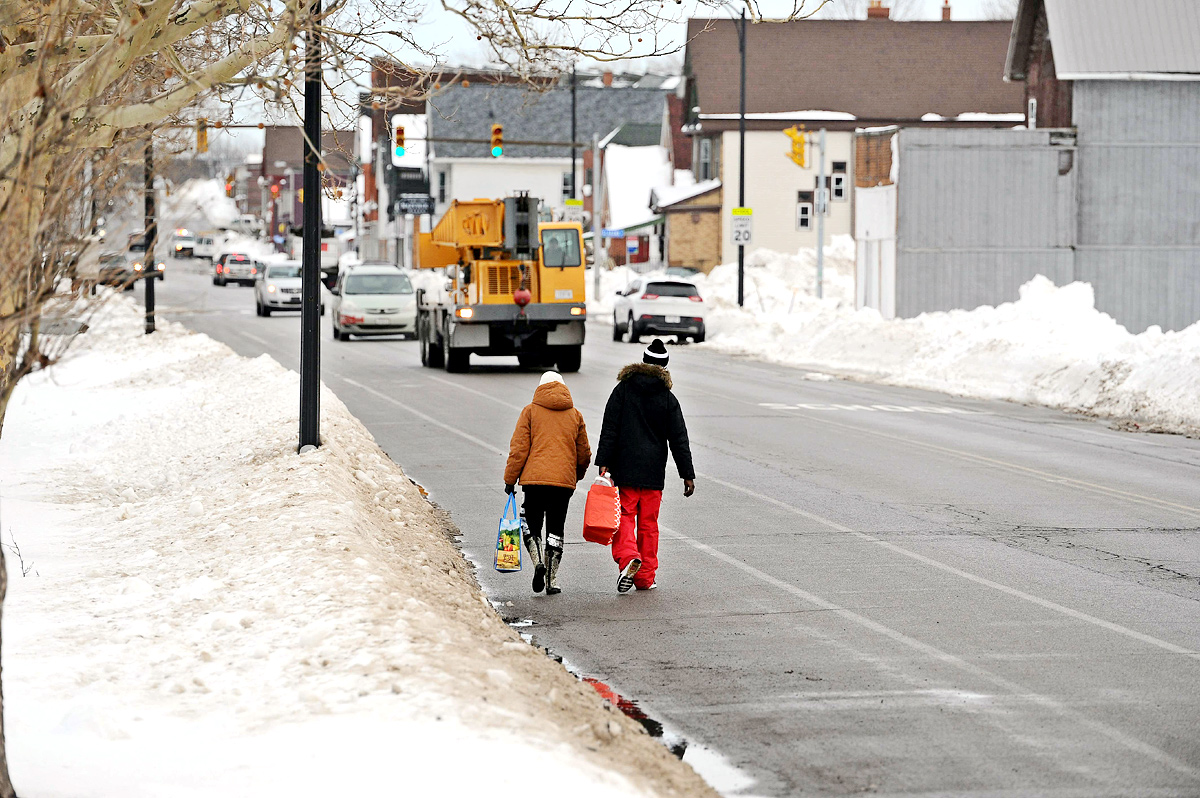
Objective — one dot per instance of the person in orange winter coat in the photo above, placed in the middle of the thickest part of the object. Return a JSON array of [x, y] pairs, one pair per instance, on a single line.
[[548, 454]]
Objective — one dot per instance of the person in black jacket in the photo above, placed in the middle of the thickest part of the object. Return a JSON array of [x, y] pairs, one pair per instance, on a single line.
[[642, 418]]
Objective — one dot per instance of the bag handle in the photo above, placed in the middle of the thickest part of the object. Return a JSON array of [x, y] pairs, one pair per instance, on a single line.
[[604, 479], [511, 504]]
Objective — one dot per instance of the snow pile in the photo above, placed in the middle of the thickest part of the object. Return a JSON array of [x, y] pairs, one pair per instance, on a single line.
[[1051, 347], [776, 282], [206, 609]]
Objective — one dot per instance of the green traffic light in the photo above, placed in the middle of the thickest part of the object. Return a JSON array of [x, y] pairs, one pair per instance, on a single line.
[[497, 151], [399, 152]]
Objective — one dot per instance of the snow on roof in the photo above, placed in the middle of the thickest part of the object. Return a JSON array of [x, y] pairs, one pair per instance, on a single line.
[[804, 116], [665, 196], [974, 117], [1113, 39], [630, 174]]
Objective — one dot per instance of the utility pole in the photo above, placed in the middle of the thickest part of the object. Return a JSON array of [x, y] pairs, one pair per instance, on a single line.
[[149, 267], [822, 209], [574, 124], [310, 308], [596, 223], [742, 157]]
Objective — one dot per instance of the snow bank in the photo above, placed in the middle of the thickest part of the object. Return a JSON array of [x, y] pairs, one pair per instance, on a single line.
[[1051, 347], [204, 609]]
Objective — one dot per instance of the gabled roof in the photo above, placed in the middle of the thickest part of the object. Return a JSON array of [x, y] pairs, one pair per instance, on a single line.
[[1111, 39], [875, 71], [635, 134], [667, 196], [529, 115]]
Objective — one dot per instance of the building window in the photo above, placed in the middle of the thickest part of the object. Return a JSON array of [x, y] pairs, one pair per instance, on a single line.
[[441, 186], [804, 210], [587, 176], [567, 188], [838, 190], [705, 159], [1031, 112]]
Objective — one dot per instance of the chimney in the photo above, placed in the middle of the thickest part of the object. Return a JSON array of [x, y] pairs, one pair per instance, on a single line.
[[608, 76], [876, 10], [946, 11]]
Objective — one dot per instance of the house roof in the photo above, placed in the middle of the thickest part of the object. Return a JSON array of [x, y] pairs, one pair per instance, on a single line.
[[1111, 39], [529, 115], [863, 71], [285, 145], [636, 134], [630, 176], [664, 197]]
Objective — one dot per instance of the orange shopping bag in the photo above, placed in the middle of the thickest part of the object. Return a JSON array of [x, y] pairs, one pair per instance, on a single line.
[[602, 513]]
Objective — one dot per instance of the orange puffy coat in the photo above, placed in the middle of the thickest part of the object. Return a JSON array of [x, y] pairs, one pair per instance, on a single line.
[[550, 444]]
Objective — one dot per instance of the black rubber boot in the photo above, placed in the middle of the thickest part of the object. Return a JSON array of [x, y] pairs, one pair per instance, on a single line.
[[533, 545]]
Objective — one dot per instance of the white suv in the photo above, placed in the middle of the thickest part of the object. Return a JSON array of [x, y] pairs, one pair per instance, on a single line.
[[373, 300], [663, 306], [278, 286]]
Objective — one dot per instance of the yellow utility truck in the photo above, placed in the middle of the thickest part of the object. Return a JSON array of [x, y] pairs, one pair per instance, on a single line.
[[513, 286]]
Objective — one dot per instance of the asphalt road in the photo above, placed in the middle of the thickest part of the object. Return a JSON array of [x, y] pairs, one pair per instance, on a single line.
[[874, 589]]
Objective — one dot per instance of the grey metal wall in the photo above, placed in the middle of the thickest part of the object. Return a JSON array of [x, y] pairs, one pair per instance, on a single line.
[[980, 213], [1139, 199]]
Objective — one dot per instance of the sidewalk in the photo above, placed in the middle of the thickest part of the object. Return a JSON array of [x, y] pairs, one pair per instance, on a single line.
[[204, 608]]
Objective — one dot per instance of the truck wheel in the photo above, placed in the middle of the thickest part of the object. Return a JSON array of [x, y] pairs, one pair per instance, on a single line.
[[569, 359], [432, 354], [458, 361], [617, 332]]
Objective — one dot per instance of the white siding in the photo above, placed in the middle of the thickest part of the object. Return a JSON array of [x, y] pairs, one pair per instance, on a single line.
[[772, 181], [473, 178]]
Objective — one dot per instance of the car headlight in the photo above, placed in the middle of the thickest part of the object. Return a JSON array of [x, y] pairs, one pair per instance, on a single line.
[[162, 267], [270, 289], [137, 267]]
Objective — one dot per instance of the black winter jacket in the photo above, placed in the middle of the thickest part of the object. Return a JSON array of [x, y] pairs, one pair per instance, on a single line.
[[641, 418]]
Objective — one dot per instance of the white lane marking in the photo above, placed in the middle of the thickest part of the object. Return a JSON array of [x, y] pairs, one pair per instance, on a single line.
[[1035, 473], [942, 410], [448, 427], [256, 339], [487, 396], [947, 658], [1011, 591]]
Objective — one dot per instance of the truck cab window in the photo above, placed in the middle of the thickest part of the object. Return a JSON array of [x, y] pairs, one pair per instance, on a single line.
[[560, 248]]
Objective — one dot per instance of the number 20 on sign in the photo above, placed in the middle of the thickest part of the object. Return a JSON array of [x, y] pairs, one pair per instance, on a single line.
[[743, 223]]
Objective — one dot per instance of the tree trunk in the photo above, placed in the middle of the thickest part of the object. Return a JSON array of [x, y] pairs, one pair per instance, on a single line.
[[6, 788]]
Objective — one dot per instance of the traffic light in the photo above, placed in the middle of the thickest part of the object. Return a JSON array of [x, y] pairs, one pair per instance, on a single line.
[[798, 153], [399, 141], [202, 135], [274, 191], [229, 182], [497, 140]]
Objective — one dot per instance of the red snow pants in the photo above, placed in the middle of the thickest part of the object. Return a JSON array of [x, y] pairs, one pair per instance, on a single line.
[[639, 507]]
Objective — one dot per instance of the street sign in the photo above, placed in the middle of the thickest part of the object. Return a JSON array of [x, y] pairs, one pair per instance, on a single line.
[[612, 232], [415, 148], [823, 201], [743, 223], [416, 204], [574, 210]]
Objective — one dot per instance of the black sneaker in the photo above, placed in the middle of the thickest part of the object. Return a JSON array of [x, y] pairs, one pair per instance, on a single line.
[[539, 578], [625, 580]]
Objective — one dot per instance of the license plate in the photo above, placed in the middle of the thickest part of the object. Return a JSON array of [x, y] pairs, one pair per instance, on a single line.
[[672, 319], [564, 293], [293, 299]]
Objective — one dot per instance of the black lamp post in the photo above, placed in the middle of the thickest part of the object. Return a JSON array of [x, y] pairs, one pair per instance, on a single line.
[[310, 307], [742, 156]]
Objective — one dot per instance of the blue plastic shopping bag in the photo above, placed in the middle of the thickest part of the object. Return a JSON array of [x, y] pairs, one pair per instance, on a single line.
[[508, 539]]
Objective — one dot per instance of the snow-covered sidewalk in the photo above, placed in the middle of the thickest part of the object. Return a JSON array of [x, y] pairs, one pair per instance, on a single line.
[[204, 610]]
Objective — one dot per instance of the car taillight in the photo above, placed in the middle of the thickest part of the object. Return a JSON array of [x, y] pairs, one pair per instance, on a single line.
[[254, 271], [649, 296], [696, 298], [219, 268]]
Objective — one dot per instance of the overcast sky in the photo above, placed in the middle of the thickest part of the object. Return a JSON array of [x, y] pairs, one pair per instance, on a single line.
[[458, 45]]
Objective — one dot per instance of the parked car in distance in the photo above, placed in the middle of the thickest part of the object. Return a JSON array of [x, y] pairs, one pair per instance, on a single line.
[[665, 306], [183, 243], [116, 269], [371, 299], [278, 286], [234, 267], [206, 246]]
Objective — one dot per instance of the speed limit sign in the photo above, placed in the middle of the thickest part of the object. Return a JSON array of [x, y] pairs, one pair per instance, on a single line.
[[743, 224]]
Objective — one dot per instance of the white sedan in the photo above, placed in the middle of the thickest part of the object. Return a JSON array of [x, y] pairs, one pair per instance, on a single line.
[[663, 306], [278, 286]]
